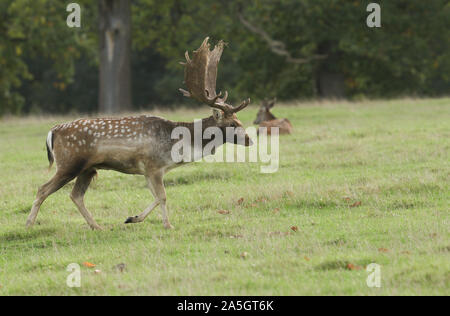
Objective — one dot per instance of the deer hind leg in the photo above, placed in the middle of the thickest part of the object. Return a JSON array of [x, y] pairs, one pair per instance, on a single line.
[[141, 217], [77, 196], [157, 183], [56, 183]]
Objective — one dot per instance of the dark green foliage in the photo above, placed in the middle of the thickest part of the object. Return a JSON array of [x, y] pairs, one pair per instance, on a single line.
[[47, 67]]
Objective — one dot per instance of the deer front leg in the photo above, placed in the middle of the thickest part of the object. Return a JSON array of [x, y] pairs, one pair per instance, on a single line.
[[141, 217], [157, 184]]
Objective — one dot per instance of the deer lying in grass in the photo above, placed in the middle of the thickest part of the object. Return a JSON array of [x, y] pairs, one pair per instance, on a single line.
[[266, 119], [136, 145]]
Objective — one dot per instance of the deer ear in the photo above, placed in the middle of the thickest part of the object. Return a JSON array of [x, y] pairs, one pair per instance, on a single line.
[[218, 115]]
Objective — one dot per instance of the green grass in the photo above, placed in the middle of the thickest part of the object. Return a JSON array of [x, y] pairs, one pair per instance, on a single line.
[[393, 156]]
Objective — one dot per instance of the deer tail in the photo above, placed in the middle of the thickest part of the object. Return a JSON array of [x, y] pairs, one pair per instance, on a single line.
[[49, 143]]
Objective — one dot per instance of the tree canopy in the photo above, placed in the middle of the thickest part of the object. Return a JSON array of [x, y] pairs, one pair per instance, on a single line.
[[283, 48]]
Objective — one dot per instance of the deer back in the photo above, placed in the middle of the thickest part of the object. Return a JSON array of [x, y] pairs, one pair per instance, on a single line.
[[127, 144], [284, 125]]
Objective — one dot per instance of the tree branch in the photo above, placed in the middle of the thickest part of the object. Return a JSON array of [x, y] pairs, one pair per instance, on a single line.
[[276, 46]]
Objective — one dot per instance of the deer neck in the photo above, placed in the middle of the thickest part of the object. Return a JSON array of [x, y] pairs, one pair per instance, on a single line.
[[206, 122], [270, 116]]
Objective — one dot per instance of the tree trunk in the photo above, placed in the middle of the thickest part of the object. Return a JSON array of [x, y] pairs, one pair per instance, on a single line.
[[331, 85], [329, 79], [115, 52]]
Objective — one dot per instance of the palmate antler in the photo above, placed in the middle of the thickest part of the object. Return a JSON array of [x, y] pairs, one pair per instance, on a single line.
[[200, 75]]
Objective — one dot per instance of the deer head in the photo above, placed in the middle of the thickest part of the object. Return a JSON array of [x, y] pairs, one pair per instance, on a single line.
[[200, 76], [264, 111]]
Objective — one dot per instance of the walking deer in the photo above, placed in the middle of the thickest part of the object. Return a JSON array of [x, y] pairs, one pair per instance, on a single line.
[[137, 144], [266, 119]]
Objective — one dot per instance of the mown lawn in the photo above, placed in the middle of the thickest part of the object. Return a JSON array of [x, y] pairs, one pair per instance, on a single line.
[[392, 156]]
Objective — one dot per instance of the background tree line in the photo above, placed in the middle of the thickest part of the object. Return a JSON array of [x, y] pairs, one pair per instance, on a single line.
[[286, 48]]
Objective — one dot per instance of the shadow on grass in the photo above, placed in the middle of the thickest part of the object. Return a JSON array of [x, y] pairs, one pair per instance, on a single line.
[[196, 178], [26, 235], [216, 231], [342, 264], [398, 205], [444, 249], [341, 241], [313, 204], [24, 209]]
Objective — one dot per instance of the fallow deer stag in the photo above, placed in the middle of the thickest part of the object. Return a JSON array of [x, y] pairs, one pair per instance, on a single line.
[[136, 145], [266, 119]]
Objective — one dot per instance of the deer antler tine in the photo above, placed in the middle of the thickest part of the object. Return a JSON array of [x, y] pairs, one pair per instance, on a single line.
[[188, 59], [225, 97], [221, 107], [212, 100], [242, 105], [185, 93], [205, 42]]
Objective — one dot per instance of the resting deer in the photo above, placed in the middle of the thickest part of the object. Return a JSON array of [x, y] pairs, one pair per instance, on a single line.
[[266, 119], [136, 145]]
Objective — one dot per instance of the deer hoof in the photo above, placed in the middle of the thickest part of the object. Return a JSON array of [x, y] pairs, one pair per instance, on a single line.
[[96, 227], [131, 220]]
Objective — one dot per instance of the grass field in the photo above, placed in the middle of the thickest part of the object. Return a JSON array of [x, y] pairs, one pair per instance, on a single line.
[[392, 156]]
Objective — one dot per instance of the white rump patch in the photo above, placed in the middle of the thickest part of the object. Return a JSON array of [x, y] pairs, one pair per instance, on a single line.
[[50, 141]]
